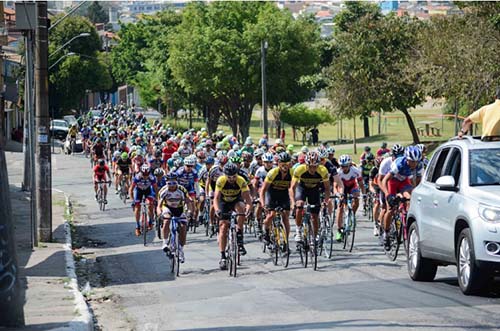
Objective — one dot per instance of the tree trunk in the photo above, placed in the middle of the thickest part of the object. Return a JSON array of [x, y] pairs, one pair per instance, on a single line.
[[413, 130], [354, 146], [213, 116], [244, 118], [366, 126]]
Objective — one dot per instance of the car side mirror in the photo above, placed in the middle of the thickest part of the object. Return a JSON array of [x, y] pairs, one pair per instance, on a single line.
[[446, 183]]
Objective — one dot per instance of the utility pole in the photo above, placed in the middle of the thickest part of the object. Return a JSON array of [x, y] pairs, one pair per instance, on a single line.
[[11, 298], [43, 155], [263, 50]]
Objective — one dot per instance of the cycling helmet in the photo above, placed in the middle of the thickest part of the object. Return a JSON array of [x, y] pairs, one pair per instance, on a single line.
[[235, 159], [246, 156], [139, 152], [201, 154], [278, 141], [258, 152], [413, 153], [368, 148], [290, 148], [284, 157], [268, 157], [159, 172], [280, 149], [112, 133], [323, 154], [370, 157], [397, 150], [209, 160], [98, 140], [116, 154], [231, 154], [189, 161], [230, 169], [101, 162], [345, 160], [178, 163], [312, 158], [124, 156], [223, 159], [236, 147], [249, 141], [133, 148], [123, 143], [145, 168], [171, 176], [330, 150], [158, 153], [209, 142], [421, 147], [384, 145], [219, 145], [176, 155]]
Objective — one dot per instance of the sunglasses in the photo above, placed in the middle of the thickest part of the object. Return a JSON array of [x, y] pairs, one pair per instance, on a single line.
[[189, 166], [171, 183]]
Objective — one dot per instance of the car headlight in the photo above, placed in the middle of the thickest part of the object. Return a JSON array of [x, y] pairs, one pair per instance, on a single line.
[[489, 213]]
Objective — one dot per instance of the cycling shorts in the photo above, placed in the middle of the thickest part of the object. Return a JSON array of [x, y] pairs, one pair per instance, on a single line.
[[99, 178], [395, 186], [311, 195], [168, 212], [274, 199], [139, 194], [354, 189], [227, 207]]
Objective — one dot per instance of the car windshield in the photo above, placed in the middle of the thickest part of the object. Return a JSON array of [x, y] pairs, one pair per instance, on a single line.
[[60, 123], [484, 169]]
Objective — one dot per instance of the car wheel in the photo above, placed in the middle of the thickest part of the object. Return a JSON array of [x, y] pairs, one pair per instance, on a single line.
[[471, 278], [419, 268]]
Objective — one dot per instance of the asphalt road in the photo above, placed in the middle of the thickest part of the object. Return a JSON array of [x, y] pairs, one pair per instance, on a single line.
[[132, 287]]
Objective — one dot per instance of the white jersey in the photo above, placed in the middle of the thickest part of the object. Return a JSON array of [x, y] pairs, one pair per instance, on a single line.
[[350, 178], [385, 166]]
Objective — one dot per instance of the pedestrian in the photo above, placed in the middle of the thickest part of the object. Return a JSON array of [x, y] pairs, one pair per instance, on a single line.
[[315, 135], [488, 116], [282, 136]]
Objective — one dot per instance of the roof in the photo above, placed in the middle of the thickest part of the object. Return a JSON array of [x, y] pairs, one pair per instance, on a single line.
[[323, 13]]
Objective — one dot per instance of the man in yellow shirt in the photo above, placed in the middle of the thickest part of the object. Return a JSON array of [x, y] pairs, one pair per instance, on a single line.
[[488, 116]]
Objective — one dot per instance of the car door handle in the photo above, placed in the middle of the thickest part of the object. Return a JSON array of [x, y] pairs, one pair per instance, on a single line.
[[435, 202], [419, 199]]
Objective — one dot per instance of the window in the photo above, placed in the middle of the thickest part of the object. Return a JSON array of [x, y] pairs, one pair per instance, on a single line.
[[454, 164], [484, 168], [436, 166]]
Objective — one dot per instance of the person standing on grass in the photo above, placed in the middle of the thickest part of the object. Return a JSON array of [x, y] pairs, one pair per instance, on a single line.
[[488, 116]]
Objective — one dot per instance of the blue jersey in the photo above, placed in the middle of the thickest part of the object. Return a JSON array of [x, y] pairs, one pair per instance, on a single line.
[[187, 179], [85, 132], [144, 183], [162, 182], [198, 167], [400, 169], [155, 163]]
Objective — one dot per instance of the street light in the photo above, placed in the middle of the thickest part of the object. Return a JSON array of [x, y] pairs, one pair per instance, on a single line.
[[81, 35], [61, 58]]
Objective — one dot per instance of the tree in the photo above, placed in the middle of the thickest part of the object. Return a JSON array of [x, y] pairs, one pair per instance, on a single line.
[[96, 13], [369, 71], [88, 65], [303, 118], [216, 54]]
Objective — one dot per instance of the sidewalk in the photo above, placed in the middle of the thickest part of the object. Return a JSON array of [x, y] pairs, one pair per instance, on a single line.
[[49, 298]]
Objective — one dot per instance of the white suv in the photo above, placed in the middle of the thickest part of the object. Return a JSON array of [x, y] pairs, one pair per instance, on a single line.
[[454, 215]]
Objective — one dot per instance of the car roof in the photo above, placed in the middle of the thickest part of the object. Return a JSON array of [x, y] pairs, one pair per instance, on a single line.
[[472, 142]]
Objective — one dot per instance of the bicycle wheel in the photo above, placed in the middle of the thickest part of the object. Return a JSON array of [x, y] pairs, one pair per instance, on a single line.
[[313, 247], [283, 247], [347, 230], [177, 259], [327, 244], [306, 246], [144, 224], [234, 253], [172, 253], [352, 227], [392, 253], [159, 225], [206, 222], [275, 246]]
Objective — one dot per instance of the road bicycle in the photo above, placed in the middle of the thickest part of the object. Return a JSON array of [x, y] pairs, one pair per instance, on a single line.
[[101, 199], [144, 220], [398, 232], [278, 240], [205, 215], [326, 232], [232, 247], [308, 248], [349, 232], [368, 204], [123, 188], [174, 243]]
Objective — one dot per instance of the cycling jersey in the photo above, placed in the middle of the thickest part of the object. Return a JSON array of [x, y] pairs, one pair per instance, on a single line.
[[253, 167], [277, 181], [98, 150], [187, 179], [385, 166], [144, 183], [85, 133], [302, 175], [231, 191], [261, 174], [161, 182], [350, 179], [101, 171], [244, 174], [72, 132], [184, 152], [214, 174], [167, 152], [124, 165], [137, 162], [155, 163], [173, 199], [400, 169]]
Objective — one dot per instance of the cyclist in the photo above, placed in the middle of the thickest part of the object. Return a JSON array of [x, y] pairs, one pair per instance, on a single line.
[[398, 181], [203, 174], [230, 189], [257, 181], [332, 158], [366, 166], [334, 178], [275, 193], [305, 185], [99, 174], [396, 151], [353, 182], [213, 175], [367, 151], [143, 187], [423, 150], [98, 150], [85, 132], [161, 181], [171, 200], [383, 150], [123, 167], [155, 161]]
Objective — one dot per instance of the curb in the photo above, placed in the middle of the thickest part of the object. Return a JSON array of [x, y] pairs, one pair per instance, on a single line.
[[84, 320]]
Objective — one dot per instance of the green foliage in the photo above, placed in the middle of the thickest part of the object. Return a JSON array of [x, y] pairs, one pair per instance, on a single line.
[[96, 13], [300, 115], [74, 75]]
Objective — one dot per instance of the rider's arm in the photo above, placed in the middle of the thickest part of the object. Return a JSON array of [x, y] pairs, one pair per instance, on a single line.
[[262, 192], [339, 184], [327, 190], [361, 184], [216, 200], [248, 200], [291, 191], [383, 184]]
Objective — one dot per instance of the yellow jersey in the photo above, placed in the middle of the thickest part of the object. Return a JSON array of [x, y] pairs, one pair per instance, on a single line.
[[277, 181], [311, 181], [231, 191]]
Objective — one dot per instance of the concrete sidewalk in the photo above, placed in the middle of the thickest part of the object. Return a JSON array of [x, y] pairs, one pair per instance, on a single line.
[[51, 299]]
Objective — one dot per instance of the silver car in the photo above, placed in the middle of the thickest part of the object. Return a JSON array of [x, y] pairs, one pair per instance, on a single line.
[[454, 215]]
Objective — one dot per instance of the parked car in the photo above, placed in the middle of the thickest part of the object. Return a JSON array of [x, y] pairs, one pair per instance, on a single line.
[[59, 129], [454, 215], [70, 119]]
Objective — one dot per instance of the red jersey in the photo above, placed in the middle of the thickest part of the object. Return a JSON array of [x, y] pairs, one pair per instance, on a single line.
[[167, 152], [101, 171]]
